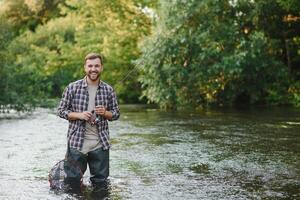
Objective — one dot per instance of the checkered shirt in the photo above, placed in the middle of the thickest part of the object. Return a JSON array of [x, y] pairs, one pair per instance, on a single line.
[[75, 98]]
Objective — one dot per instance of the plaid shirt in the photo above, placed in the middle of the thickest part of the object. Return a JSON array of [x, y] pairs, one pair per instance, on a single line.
[[75, 99]]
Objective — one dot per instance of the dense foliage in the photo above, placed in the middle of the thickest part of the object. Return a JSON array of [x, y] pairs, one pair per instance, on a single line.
[[184, 53], [44, 44], [223, 53]]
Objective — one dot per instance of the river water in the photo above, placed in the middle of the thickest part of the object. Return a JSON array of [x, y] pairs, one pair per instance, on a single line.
[[220, 154]]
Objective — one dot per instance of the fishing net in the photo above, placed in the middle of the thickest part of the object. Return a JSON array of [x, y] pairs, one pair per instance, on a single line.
[[65, 175]]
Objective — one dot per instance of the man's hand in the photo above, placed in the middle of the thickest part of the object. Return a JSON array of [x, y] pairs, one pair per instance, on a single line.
[[86, 116], [100, 110]]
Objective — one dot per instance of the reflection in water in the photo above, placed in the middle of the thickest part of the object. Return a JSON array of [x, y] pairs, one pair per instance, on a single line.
[[224, 154]]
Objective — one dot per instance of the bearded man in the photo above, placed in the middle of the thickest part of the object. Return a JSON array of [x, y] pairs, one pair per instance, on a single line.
[[88, 104]]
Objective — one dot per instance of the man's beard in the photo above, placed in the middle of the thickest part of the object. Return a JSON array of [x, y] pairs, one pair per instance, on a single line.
[[93, 77]]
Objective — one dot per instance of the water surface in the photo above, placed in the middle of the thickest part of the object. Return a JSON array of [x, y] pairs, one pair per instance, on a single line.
[[220, 154]]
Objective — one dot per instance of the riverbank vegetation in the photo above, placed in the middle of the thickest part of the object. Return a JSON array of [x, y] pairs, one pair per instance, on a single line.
[[176, 54]]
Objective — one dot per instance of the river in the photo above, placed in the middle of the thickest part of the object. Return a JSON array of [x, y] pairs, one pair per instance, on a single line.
[[214, 154]]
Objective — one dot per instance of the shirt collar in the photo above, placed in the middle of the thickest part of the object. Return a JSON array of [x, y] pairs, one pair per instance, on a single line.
[[85, 84]]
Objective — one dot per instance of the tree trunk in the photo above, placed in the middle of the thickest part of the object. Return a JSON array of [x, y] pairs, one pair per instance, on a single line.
[[288, 54]]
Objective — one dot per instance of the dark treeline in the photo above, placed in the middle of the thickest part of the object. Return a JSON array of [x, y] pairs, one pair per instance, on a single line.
[[185, 53]]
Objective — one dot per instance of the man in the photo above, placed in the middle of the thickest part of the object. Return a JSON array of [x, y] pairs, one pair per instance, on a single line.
[[88, 104]]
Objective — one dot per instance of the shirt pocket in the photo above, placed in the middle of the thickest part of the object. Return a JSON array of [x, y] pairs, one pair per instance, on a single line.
[[79, 102], [101, 100]]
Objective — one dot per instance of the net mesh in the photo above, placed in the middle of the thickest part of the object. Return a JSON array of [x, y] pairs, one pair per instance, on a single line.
[[65, 175]]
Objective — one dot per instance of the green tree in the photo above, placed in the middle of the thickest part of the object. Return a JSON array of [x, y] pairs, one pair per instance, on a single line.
[[212, 52], [115, 28], [50, 39], [18, 85], [280, 20]]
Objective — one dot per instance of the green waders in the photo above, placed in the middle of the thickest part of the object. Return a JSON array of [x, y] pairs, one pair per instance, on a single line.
[[98, 161]]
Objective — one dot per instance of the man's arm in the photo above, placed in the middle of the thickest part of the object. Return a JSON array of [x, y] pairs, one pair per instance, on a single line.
[[113, 107], [65, 106], [80, 115], [112, 112]]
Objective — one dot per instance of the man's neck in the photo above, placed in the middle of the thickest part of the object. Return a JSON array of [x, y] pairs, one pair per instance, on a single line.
[[92, 83]]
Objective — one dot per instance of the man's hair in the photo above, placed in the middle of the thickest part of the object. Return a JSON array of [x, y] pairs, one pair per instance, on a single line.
[[92, 56]]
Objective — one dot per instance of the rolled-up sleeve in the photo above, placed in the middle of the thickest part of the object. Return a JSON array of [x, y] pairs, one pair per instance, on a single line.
[[64, 107], [113, 106]]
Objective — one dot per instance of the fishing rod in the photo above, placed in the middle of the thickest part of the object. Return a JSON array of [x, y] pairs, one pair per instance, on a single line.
[[136, 66]]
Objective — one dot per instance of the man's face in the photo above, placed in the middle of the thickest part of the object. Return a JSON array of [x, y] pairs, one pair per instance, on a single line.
[[93, 69]]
